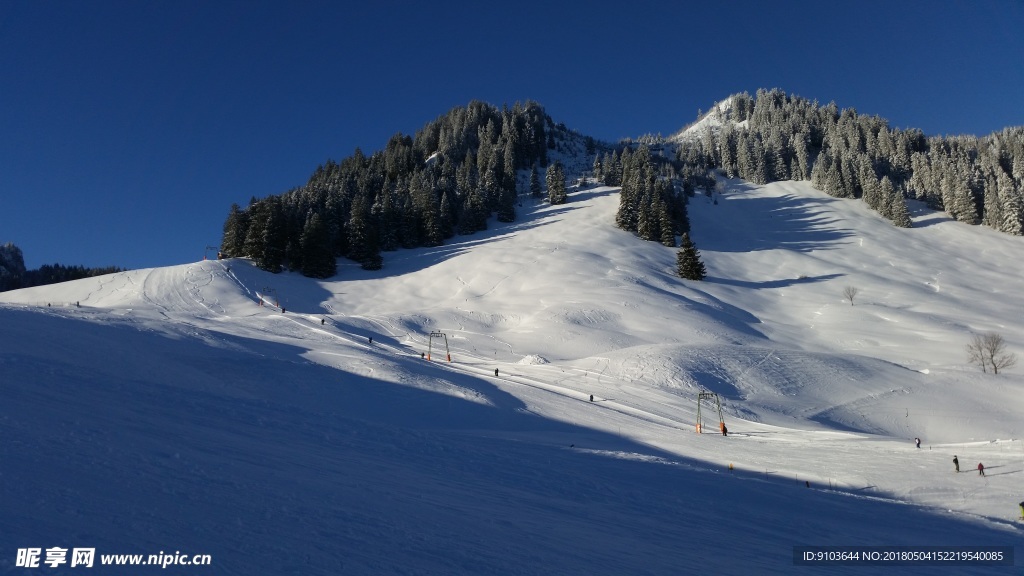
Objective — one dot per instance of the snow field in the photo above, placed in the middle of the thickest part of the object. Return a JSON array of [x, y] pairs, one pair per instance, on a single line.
[[190, 417]]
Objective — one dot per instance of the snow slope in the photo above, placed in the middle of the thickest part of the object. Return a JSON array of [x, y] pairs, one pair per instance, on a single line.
[[168, 411]]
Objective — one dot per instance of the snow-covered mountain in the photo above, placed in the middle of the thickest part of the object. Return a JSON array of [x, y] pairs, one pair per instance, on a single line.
[[166, 410], [719, 114]]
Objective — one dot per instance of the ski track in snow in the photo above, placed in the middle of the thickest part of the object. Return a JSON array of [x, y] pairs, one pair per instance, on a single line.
[[284, 445]]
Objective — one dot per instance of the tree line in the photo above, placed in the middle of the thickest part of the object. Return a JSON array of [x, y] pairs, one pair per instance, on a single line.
[[13, 274], [450, 178], [775, 136], [476, 163]]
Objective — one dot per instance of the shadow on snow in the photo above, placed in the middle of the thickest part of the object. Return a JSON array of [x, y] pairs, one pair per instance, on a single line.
[[270, 463]]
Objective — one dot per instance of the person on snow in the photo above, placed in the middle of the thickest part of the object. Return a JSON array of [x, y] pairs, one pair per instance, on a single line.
[[495, 372], [591, 397], [1022, 509], [322, 321], [981, 469], [725, 431], [917, 442], [956, 463]]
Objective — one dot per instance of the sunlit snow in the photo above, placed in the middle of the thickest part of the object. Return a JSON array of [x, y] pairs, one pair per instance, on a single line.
[[165, 409]]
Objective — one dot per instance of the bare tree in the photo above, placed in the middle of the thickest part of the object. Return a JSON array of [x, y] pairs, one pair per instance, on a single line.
[[850, 292], [989, 351]]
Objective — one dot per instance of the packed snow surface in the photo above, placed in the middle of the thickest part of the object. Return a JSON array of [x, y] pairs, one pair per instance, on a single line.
[[167, 410]]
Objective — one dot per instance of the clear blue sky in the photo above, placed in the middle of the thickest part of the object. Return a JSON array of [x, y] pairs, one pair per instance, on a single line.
[[127, 129]]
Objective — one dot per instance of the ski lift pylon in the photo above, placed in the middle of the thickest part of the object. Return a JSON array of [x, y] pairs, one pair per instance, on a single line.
[[709, 396], [430, 344]]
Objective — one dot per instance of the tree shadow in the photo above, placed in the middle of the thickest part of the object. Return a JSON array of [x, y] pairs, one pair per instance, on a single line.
[[923, 216], [784, 222], [296, 293], [270, 463], [732, 316], [782, 283], [408, 260], [288, 291]]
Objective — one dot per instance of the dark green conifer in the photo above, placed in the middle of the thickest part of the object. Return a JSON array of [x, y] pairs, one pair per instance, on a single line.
[[688, 261], [317, 258]]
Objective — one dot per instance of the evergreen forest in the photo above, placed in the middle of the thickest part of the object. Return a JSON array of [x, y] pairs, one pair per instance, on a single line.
[[480, 162]]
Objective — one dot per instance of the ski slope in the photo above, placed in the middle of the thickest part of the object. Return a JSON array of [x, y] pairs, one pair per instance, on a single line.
[[169, 410]]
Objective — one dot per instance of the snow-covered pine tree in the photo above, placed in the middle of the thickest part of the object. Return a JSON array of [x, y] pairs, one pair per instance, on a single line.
[[446, 217], [665, 224], [363, 244], [869, 183], [490, 184], [274, 239], [254, 246], [317, 259], [386, 214], [12, 267], [507, 205], [535, 189], [688, 263], [647, 221], [433, 235], [1011, 206], [800, 169], [895, 205], [886, 197], [555, 180], [474, 214], [408, 223], [963, 202], [232, 243]]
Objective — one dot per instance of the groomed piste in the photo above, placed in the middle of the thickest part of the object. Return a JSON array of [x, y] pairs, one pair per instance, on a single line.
[[289, 426]]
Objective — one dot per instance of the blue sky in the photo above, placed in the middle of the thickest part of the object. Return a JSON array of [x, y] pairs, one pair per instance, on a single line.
[[127, 129]]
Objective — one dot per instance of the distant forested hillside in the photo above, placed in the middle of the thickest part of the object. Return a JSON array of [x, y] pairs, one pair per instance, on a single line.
[[449, 179], [774, 136], [13, 274], [477, 162]]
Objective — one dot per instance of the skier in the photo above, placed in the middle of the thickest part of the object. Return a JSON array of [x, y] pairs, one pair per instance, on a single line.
[[495, 372], [591, 397], [725, 431], [917, 441], [371, 339], [981, 469], [322, 321], [1022, 510], [956, 463]]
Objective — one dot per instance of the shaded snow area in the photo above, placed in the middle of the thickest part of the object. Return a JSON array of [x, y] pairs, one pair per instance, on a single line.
[[169, 412]]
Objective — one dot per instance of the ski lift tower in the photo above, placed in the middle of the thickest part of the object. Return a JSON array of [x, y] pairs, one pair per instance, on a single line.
[[709, 397], [430, 344]]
